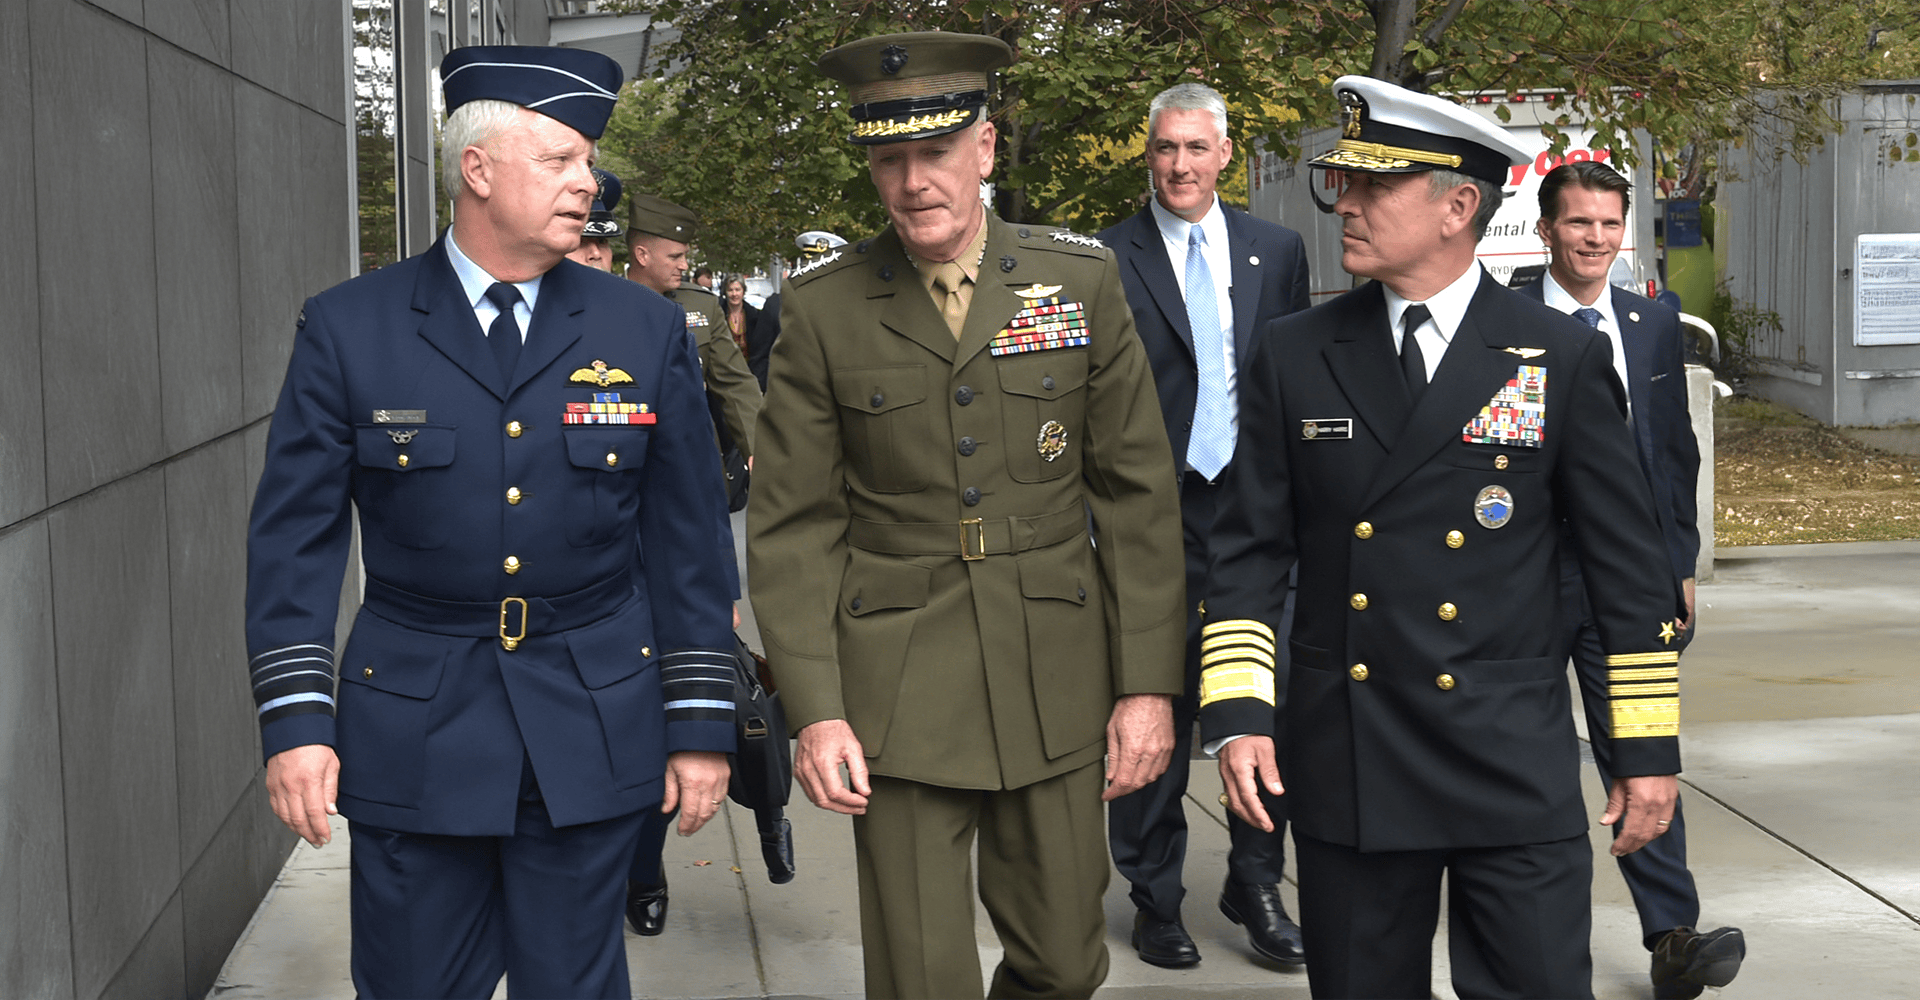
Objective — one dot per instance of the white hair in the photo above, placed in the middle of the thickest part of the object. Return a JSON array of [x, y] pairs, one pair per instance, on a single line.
[[475, 123], [1190, 97], [1441, 181]]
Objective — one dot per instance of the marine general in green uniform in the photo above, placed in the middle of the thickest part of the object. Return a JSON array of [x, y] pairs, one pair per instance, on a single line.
[[953, 405], [661, 234]]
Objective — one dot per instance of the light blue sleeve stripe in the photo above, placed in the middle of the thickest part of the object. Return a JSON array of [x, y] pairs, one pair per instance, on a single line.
[[699, 703], [277, 678], [292, 698]]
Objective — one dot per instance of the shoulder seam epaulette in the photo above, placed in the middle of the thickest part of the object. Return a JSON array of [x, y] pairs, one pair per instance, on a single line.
[[812, 269], [1066, 241]]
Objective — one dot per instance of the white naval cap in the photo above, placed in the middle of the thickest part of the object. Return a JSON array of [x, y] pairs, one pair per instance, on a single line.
[[1386, 129]]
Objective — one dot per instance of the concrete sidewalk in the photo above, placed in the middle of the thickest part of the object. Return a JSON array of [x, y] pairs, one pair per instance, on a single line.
[[1802, 721]]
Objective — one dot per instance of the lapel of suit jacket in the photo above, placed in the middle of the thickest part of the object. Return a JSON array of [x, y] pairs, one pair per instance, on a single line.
[[449, 324], [1362, 361], [1149, 260], [908, 309], [1243, 249], [556, 324], [1475, 366], [1637, 340]]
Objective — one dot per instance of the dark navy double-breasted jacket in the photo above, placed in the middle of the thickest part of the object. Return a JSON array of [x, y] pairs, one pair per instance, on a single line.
[[474, 494]]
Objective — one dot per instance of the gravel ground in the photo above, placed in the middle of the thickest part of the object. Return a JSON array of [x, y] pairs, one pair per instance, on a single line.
[[1782, 477]]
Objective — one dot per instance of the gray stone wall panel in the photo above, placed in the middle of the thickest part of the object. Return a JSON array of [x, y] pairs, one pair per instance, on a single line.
[[113, 641], [34, 956], [156, 970], [197, 246], [23, 443], [199, 26], [92, 160], [273, 282], [217, 745], [224, 885]]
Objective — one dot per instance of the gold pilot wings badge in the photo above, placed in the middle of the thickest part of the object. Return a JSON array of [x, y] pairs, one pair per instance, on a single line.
[[1516, 415], [599, 374], [1528, 353]]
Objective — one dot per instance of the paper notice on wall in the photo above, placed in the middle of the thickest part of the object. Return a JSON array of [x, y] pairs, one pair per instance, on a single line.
[[1887, 288]]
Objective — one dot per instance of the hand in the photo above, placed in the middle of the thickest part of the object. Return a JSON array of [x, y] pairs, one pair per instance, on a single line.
[[736, 616], [1647, 803], [1686, 592], [824, 747], [302, 784], [696, 785], [1246, 765], [1139, 742]]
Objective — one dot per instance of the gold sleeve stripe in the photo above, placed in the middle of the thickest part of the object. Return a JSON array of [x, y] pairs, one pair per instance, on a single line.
[[1642, 659], [1642, 690], [1238, 625], [1238, 639], [1646, 717], [1245, 680], [1644, 674], [1236, 655]]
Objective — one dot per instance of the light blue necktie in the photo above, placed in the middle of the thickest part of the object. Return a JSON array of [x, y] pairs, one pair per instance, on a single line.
[[1588, 315], [1211, 443]]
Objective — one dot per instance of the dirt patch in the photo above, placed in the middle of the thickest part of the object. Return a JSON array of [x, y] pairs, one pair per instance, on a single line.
[[1782, 477]]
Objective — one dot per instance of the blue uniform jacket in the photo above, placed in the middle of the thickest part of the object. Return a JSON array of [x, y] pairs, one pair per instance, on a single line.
[[471, 493]]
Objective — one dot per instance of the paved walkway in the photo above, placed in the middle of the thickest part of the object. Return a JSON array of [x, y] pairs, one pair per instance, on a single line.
[[1802, 702]]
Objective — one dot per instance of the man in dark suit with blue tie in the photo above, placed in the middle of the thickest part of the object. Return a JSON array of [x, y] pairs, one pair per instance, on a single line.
[[519, 689], [1203, 281], [1583, 214]]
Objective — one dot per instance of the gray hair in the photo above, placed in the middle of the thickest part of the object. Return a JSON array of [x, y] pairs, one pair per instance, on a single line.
[[475, 123], [1190, 97], [1442, 181]]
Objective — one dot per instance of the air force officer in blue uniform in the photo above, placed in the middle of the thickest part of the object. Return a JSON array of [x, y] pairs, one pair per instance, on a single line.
[[1583, 216], [511, 428]]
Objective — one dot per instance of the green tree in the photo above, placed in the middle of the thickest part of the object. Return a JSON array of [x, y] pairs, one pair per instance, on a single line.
[[756, 137]]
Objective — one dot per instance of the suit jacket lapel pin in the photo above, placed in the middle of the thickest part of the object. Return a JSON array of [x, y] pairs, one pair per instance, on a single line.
[[1052, 442], [1493, 507], [1254, 260], [601, 375], [1634, 317]]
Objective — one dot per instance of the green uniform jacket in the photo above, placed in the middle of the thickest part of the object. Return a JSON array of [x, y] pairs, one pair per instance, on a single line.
[[725, 367], [887, 448]]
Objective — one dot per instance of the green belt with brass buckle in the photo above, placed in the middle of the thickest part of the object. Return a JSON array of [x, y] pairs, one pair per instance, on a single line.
[[971, 539]]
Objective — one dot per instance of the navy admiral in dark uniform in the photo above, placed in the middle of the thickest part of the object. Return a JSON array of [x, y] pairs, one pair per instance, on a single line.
[[1203, 280], [511, 428], [1420, 441], [1583, 220]]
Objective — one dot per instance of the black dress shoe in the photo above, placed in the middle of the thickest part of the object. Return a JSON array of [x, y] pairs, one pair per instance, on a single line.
[[647, 908], [1685, 961], [1271, 932], [1163, 942]]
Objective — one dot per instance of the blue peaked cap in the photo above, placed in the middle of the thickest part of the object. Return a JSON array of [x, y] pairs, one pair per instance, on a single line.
[[574, 86]]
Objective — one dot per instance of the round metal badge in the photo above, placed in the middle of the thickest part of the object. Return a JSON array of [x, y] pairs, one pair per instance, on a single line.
[[1052, 441], [1493, 508]]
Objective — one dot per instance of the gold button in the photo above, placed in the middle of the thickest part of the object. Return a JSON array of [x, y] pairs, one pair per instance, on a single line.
[[513, 494], [514, 429], [1358, 671], [1499, 461], [1359, 602], [1444, 682], [1363, 530], [1455, 539], [646, 651], [367, 672], [402, 460], [1448, 612], [512, 565], [612, 460]]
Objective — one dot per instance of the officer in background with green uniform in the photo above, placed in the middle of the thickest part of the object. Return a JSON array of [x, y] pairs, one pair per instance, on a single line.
[[952, 405], [659, 236]]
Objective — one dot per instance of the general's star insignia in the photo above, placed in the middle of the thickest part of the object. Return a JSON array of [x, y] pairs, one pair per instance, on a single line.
[[1667, 633], [599, 374], [1526, 352]]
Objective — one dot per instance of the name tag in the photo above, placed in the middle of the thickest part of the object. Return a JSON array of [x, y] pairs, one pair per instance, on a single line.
[[1327, 429], [399, 416]]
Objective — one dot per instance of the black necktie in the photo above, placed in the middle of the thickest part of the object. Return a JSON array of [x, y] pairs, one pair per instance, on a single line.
[[1413, 365], [504, 335], [1588, 315]]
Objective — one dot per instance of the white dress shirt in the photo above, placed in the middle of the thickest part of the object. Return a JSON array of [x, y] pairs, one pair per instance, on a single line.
[[1563, 300], [474, 280], [1448, 308]]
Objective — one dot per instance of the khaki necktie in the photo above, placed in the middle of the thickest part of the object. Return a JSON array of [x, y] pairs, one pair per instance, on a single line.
[[948, 278]]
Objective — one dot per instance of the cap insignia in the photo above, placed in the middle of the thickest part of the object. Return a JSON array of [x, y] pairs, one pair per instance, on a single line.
[[1353, 113], [893, 59]]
